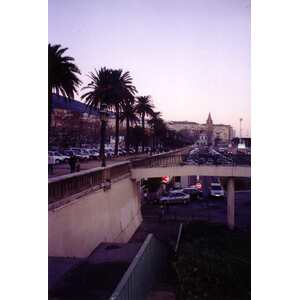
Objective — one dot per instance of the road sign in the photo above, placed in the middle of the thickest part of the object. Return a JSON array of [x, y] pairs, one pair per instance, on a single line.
[[165, 179]]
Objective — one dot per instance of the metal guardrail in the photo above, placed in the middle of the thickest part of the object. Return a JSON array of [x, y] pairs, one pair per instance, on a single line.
[[143, 272], [178, 238]]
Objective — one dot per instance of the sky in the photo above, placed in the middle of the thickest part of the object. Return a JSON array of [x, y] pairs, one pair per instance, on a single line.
[[191, 56]]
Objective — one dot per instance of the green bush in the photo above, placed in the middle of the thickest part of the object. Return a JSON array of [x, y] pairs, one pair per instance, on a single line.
[[213, 263]]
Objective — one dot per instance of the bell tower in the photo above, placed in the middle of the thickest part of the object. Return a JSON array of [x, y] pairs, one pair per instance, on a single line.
[[209, 129]]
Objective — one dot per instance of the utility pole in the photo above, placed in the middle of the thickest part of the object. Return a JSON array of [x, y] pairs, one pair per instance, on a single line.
[[241, 130]]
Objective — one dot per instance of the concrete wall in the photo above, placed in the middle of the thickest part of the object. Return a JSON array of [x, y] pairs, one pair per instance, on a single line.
[[202, 170], [77, 228]]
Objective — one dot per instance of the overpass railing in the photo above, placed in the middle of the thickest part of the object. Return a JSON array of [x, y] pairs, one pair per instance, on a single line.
[[165, 159], [183, 158], [97, 178], [143, 272], [67, 185]]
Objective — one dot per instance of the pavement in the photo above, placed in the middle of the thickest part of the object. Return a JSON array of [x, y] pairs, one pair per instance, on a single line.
[[58, 266], [95, 277], [98, 275], [63, 169], [210, 210]]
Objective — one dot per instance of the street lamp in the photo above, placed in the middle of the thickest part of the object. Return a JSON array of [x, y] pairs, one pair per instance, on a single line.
[[103, 118], [241, 120]]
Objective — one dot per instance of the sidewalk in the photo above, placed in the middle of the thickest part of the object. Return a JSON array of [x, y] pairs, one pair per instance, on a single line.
[[63, 169], [94, 277]]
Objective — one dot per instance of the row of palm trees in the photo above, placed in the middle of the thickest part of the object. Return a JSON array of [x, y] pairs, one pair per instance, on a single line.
[[111, 87]]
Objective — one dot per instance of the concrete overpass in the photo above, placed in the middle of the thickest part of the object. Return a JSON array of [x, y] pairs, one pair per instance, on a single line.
[[103, 204], [186, 170], [231, 172]]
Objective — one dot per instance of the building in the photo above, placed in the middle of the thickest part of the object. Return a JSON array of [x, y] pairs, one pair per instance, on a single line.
[[207, 133], [202, 141], [73, 123], [183, 125], [212, 134]]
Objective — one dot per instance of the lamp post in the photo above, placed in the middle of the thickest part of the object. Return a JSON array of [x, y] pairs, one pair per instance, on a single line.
[[241, 130], [103, 118]]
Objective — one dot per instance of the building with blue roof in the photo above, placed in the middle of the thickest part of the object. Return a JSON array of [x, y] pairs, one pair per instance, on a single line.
[[73, 120]]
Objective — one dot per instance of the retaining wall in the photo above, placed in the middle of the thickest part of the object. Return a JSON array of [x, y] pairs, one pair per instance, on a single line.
[[76, 228]]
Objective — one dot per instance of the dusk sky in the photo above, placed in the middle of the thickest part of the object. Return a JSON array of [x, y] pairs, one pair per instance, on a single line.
[[191, 56]]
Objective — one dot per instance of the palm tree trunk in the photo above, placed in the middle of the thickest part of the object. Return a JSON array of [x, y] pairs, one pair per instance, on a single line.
[[49, 112], [102, 143], [143, 127], [117, 129], [127, 135], [153, 139]]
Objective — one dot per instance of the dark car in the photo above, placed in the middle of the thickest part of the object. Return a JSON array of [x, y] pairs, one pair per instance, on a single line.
[[193, 192]]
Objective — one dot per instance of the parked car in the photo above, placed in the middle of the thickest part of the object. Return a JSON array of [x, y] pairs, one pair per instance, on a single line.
[[93, 154], [58, 157], [63, 156], [131, 151], [216, 190], [69, 153], [109, 153], [194, 193], [175, 197], [76, 152], [120, 152], [84, 153]]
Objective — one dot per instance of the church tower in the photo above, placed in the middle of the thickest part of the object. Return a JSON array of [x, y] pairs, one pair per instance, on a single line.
[[209, 129]]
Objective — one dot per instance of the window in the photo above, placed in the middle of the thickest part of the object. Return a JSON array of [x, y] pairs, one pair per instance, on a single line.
[[216, 188]]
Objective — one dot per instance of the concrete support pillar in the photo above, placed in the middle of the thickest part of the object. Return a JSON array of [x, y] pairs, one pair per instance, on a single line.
[[230, 203], [139, 193]]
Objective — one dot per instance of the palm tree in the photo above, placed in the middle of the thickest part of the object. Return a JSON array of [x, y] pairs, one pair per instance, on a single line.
[[144, 107], [136, 135], [159, 128], [62, 76], [97, 97], [129, 114], [121, 90], [109, 87], [153, 121]]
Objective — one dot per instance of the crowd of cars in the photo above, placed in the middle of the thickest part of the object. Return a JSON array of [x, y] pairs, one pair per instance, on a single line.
[[194, 192], [86, 154], [63, 156], [200, 156]]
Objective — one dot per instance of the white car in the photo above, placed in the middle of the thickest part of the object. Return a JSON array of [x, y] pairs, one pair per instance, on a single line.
[[58, 157], [93, 153], [109, 153], [80, 153], [216, 190], [85, 154], [175, 197]]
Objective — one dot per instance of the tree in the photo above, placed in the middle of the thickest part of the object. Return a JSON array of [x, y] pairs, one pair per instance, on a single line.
[[110, 87], [158, 126], [144, 107], [129, 114], [99, 95], [136, 135], [62, 76], [121, 90]]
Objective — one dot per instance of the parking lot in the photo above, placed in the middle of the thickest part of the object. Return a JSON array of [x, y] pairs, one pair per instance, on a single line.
[[206, 209], [200, 156]]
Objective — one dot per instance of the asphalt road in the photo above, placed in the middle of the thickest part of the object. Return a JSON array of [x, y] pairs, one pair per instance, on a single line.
[[211, 210]]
